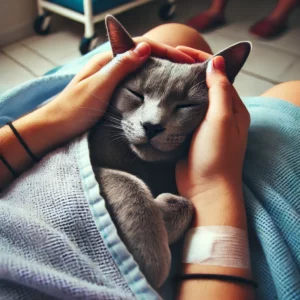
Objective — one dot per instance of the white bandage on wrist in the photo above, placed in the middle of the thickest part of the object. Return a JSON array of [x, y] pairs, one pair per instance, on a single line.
[[218, 246]]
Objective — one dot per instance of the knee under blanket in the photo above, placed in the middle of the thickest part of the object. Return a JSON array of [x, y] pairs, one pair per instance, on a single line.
[[58, 241]]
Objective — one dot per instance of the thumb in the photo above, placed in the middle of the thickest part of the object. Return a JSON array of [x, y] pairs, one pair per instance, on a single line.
[[121, 66], [219, 90]]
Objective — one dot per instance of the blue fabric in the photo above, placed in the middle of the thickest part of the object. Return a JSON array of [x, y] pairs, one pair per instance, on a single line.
[[98, 5], [272, 193], [57, 238], [271, 178]]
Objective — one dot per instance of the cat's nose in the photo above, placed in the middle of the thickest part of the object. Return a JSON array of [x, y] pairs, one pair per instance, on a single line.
[[152, 129]]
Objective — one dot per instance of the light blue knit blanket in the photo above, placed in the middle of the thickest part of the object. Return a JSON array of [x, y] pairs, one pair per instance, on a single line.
[[57, 239]]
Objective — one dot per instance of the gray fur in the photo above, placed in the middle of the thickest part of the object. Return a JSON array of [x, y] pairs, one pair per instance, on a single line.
[[136, 172]]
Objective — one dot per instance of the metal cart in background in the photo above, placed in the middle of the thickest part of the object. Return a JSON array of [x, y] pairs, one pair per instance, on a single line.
[[84, 11]]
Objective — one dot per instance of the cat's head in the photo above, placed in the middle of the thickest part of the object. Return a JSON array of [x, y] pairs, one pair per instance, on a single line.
[[164, 102]]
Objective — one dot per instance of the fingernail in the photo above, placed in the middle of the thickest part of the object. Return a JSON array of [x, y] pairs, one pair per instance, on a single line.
[[216, 63], [210, 66], [142, 49], [219, 63]]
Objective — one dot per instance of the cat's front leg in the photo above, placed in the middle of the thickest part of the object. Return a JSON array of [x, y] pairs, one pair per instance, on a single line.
[[177, 214], [139, 222]]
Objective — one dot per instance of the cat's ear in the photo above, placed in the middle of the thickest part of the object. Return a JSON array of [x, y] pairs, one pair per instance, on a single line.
[[119, 38], [235, 56]]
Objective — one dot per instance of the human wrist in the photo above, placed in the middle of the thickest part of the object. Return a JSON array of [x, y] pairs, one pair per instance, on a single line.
[[42, 129], [221, 204], [62, 121]]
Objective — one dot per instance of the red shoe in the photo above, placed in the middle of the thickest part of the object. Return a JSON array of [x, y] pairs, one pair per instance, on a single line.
[[204, 22], [267, 28]]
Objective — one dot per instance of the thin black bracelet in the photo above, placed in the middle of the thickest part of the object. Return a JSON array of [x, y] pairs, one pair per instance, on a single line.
[[25, 146], [229, 278], [9, 167]]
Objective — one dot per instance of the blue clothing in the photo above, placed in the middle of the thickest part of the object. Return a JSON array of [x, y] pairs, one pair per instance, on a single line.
[[271, 187]]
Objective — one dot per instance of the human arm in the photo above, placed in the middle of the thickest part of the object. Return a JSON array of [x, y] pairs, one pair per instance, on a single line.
[[77, 108], [211, 178]]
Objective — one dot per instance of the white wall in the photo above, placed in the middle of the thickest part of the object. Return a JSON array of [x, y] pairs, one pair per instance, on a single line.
[[16, 19]]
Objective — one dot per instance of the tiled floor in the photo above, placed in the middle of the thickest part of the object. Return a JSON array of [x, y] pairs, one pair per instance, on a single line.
[[270, 62]]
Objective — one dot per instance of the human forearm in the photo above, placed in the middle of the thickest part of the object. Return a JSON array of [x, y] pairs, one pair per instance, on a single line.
[[221, 206], [42, 130]]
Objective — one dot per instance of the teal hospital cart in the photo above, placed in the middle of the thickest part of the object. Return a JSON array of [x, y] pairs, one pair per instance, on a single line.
[[89, 12]]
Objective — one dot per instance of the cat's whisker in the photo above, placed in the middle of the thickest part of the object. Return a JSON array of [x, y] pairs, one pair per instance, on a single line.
[[113, 127], [89, 108], [109, 105], [134, 157], [96, 112], [113, 122], [117, 136], [116, 139], [113, 119]]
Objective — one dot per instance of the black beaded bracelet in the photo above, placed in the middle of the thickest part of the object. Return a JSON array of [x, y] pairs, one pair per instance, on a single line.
[[228, 278], [22, 142], [9, 167]]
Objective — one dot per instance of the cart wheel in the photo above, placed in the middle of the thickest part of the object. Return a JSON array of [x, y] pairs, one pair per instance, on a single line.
[[167, 11], [88, 44], [42, 24]]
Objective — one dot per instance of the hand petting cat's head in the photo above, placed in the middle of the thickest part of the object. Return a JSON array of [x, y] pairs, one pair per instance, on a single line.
[[164, 102]]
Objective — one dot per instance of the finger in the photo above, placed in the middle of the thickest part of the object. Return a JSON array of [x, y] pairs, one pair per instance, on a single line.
[[94, 65], [197, 55], [106, 80], [219, 90], [240, 110], [167, 52], [237, 104]]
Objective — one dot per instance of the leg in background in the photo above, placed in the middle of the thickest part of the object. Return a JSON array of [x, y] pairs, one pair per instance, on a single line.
[[211, 18], [276, 22], [283, 10], [178, 34], [288, 91]]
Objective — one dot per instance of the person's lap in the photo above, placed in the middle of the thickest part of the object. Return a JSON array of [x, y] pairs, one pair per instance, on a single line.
[[179, 34]]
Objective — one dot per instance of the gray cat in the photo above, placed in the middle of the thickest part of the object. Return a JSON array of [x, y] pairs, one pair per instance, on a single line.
[[134, 149]]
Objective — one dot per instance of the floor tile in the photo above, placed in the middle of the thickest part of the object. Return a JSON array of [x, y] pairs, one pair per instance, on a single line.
[[250, 86], [292, 72], [54, 46], [28, 58], [68, 58], [290, 42], [13, 74], [268, 62]]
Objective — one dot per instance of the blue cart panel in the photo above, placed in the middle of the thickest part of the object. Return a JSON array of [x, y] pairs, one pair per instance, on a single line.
[[98, 5]]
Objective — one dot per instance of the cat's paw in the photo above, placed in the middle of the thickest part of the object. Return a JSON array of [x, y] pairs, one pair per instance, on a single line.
[[177, 214], [139, 222]]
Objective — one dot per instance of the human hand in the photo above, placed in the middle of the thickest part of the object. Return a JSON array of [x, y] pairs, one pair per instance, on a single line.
[[218, 146], [87, 96], [197, 55]]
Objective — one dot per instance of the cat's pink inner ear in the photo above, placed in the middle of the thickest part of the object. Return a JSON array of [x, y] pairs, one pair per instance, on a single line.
[[235, 56], [119, 38]]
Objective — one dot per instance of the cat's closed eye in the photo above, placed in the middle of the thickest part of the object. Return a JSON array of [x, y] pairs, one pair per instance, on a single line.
[[138, 95], [189, 105]]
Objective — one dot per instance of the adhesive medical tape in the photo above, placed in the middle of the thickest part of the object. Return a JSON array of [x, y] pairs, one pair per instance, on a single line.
[[218, 246]]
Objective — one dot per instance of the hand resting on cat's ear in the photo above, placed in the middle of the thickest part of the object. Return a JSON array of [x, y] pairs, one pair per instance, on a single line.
[[221, 160], [197, 55]]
